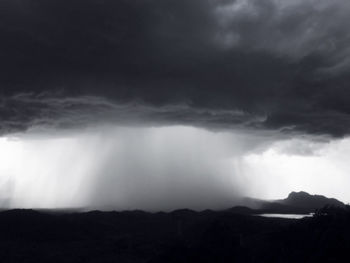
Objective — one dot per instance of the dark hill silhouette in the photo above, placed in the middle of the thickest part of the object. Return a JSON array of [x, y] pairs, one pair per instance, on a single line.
[[179, 236], [232, 235], [305, 200], [296, 203]]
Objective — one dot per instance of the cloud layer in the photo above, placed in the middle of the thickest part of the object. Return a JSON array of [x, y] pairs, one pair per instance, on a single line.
[[281, 65], [28, 112]]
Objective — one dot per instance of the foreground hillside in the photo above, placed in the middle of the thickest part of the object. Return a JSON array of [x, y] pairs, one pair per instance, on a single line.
[[180, 236]]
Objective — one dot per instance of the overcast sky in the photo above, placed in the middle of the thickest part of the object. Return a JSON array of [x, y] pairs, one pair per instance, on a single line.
[[187, 95]]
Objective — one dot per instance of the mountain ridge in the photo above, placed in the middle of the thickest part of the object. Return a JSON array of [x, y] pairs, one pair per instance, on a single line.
[[295, 203]]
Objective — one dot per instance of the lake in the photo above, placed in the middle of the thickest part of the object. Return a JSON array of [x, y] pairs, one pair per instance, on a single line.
[[291, 216]]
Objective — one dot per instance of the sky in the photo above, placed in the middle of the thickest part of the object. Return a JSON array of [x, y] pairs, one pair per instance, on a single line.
[[164, 104]]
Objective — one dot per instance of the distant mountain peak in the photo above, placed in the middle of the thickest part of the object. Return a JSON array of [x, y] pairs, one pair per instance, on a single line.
[[295, 194], [301, 195], [296, 203], [306, 200]]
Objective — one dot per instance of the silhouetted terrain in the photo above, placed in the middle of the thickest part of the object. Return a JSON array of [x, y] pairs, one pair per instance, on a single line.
[[295, 203], [232, 235]]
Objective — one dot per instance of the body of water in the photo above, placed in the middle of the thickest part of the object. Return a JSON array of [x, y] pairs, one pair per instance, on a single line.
[[291, 216]]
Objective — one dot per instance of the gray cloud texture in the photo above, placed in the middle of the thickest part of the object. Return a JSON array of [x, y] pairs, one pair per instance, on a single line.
[[25, 112], [292, 28], [268, 64]]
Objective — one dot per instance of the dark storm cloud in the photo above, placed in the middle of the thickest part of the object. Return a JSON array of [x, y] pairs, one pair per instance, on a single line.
[[286, 60], [294, 28], [23, 111]]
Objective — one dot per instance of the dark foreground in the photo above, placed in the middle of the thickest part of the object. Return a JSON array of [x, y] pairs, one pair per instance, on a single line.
[[180, 236]]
